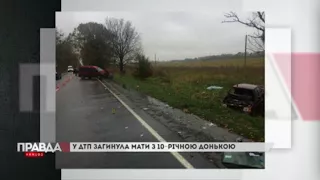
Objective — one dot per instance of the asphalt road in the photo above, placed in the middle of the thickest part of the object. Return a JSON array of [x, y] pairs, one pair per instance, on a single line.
[[84, 114]]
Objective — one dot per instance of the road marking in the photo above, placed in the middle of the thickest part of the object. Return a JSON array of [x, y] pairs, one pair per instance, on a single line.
[[180, 158], [64, 83]]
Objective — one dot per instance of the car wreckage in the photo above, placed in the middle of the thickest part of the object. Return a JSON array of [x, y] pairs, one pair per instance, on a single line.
[[243, 160], [248, 98]]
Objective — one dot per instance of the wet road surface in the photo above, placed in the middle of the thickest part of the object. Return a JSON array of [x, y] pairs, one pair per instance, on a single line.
[[64, 77], [84, 114]]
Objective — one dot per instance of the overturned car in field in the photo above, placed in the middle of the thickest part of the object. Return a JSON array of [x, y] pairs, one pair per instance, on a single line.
[[248, 98]]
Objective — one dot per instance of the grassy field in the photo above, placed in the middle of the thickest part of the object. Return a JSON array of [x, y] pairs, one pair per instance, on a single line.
[[183, 85]]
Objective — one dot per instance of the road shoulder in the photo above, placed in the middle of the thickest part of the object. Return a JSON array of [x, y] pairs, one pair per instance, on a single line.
[[182, 126]]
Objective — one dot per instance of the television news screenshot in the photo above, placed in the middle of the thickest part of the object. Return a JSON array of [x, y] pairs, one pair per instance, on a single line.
[[160, 89]]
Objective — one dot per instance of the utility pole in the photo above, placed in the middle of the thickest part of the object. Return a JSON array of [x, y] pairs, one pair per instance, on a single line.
[[155, 59], [245, 51]]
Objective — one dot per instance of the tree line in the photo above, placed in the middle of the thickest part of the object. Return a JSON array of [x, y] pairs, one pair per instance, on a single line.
[[257, 54], [116, 42]]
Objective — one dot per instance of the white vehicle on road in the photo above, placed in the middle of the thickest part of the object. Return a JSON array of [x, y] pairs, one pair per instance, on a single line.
[[70, 69]]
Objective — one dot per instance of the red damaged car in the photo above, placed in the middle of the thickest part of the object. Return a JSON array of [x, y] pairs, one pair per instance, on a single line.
[[92, 72]]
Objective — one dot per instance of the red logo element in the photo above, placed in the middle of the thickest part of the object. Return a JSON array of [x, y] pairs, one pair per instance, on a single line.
[[305, 85], [34, 154], [65, 147]]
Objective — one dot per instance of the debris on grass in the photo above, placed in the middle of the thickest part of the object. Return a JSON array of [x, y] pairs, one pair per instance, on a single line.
[[214, 87]]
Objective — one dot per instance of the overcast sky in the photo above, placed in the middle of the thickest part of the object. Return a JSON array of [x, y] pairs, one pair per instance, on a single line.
[[172, 35]]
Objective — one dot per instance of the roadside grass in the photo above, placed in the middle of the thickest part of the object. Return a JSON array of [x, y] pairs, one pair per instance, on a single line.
[[183, 85]]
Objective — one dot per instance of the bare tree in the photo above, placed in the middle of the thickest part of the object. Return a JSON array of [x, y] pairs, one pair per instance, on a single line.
[[125, 40], [92, 42], [255, 45], [65, 54], [256, 21], [59, 36]]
